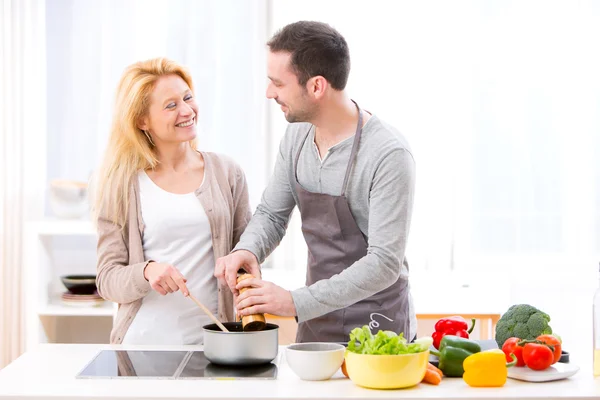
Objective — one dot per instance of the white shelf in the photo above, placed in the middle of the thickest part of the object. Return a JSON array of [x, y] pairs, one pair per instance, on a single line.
[[56, 308], [63, 227]]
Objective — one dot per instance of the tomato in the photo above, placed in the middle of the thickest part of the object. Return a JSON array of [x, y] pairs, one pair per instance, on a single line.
[[537, 356], [511, 347], [554, 342]]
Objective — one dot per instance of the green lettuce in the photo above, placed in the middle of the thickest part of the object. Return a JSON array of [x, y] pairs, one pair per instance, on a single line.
[[362, 341]]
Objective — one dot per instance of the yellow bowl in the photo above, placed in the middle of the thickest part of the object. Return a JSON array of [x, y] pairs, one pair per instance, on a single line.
[[386, 371]]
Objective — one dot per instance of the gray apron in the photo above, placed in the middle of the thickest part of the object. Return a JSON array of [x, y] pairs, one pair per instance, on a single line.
[[334, 243]]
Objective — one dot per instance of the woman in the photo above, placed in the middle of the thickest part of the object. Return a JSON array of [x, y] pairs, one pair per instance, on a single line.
[[164, 211]]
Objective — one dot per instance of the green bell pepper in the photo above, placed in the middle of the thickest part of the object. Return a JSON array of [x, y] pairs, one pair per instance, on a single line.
[[453, 351]]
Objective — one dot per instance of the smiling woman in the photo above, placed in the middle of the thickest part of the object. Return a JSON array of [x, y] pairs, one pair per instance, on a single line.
[[172, 112], [164, 211]]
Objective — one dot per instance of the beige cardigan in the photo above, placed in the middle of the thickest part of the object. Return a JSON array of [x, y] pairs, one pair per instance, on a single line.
[[121, 262]]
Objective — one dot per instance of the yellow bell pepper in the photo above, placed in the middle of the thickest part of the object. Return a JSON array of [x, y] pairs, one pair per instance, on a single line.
[[487, 368]]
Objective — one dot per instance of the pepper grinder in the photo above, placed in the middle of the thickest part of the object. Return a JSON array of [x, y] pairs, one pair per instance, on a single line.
[[254, 322]]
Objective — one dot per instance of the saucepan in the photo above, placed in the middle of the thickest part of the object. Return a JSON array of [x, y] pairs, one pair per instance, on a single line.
[[239, 348]]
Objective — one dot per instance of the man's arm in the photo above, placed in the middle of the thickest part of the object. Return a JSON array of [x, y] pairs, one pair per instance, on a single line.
[[390, 208], [270, 220]]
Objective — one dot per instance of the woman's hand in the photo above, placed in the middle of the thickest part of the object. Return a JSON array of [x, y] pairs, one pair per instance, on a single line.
[[165, 278]]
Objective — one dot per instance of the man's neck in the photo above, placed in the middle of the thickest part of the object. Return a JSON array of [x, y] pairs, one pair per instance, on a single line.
[[335, 123]]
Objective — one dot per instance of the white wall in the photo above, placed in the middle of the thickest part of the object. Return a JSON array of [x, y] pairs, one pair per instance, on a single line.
[[91, 42], [89, 45], [499, 101]]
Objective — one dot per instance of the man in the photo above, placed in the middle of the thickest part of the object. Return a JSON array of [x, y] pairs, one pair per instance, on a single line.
[[352, 177]]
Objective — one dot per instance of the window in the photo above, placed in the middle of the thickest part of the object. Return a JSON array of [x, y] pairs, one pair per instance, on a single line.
[[503, 120]]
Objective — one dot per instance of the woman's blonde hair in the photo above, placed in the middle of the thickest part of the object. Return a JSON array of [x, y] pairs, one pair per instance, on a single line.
[[129, 149]]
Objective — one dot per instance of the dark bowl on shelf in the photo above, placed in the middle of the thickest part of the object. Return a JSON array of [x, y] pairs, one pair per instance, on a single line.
[[80, 284]]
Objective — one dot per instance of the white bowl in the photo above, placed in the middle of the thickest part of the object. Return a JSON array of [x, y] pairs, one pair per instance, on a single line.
[[315, 361]]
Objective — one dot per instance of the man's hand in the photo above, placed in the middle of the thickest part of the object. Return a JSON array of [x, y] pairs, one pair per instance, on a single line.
[[264, 297], [226, 268], [165, 278]]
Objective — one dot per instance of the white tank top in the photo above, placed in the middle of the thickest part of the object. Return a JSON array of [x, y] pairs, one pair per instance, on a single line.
[[177, 231]]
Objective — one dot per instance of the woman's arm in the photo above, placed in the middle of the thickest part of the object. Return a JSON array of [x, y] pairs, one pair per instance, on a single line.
[[241, 205], [117, 280]]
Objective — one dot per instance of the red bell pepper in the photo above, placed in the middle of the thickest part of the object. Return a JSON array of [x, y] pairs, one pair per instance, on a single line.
[[456, 326]]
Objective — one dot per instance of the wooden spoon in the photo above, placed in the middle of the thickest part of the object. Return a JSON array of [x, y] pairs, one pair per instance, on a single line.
[[207, 312]]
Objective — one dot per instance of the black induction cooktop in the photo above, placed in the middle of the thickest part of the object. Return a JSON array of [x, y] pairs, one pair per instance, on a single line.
[[165, 364]]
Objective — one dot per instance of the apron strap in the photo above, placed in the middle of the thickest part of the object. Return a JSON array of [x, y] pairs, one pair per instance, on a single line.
[[354, 148], [352, 153], [298, 154]]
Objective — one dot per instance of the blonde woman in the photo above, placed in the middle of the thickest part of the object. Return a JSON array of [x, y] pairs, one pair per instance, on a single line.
[[165, 211]]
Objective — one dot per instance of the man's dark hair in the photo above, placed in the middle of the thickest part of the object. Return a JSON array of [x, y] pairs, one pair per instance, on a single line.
[[316, 49]]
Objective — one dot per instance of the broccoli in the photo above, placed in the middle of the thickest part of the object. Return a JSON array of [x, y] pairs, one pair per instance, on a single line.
[[522, 321]]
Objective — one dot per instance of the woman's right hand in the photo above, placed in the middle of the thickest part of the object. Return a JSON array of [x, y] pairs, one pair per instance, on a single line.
[[165, 278]]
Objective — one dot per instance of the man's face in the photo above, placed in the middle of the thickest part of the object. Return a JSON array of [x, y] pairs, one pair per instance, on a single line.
[[284, 88]]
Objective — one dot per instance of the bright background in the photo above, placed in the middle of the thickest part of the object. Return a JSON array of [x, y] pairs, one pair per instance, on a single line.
[[500, 102]]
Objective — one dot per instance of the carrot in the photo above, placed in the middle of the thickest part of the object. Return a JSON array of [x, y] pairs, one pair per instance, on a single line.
[[436, 369], [432, 375]]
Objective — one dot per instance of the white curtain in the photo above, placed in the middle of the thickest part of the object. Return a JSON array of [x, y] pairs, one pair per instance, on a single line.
[[22, 120], [500, 102], [92, 42]]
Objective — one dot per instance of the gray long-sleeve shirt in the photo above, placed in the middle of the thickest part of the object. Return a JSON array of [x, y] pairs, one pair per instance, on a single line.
[[380, 195]]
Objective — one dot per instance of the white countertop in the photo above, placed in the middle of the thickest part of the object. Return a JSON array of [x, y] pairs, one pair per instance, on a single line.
[[48, 372]]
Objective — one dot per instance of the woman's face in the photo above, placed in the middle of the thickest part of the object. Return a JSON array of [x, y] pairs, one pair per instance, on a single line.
[[172, 113]]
